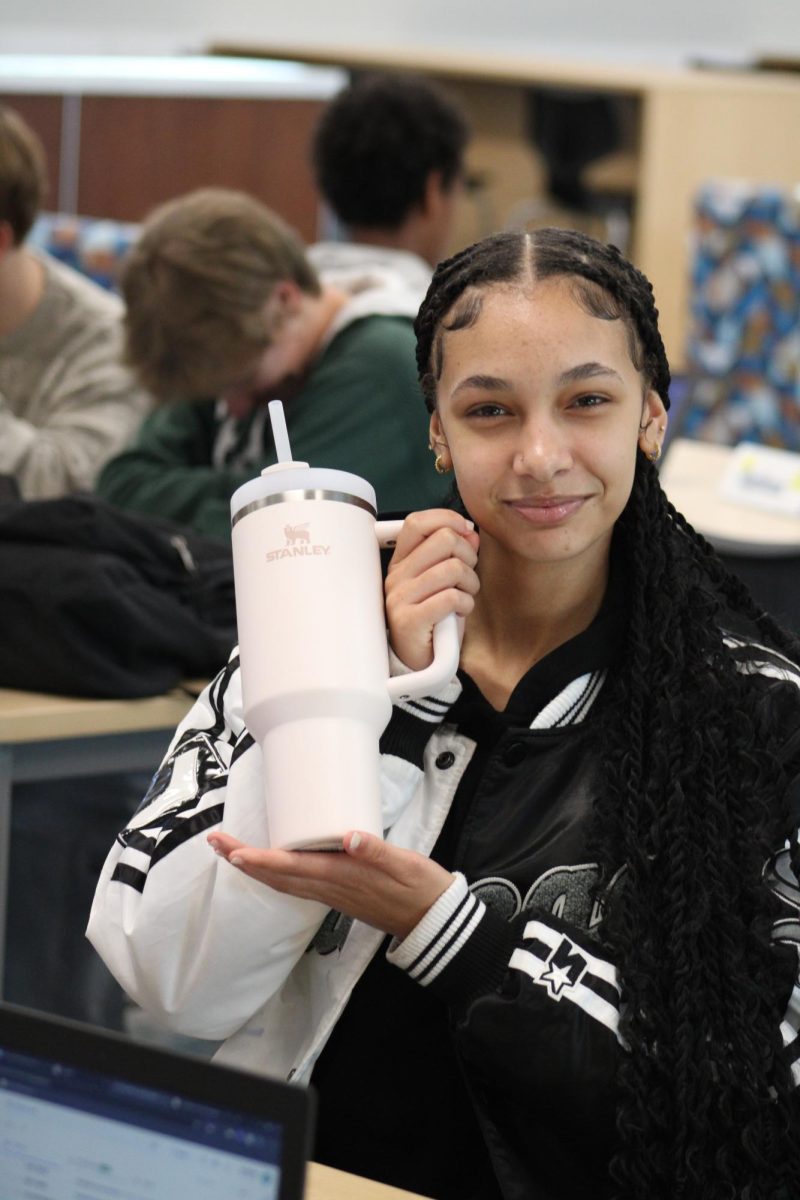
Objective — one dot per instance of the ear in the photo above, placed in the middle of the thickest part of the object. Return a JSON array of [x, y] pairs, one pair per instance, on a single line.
[[431, 200], [7, 242], [283, 301], [438, 443], [435, 432], [652, 426], [288, 295]]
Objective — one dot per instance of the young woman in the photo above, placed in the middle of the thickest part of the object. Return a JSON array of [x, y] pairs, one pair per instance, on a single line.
[[589, 881]]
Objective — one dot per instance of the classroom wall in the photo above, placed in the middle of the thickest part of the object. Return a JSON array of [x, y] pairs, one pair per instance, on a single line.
[[615, 28]]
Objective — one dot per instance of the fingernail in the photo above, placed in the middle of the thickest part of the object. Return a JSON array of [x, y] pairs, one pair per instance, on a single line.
[[236, 861], [469, 524], [355, 841]]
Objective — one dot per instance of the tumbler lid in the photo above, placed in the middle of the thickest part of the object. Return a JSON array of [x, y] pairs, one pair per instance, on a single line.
[[290, 481]]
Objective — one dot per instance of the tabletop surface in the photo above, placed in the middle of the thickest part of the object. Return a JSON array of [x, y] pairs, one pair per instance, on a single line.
[[324, 1183], [691, 477], [34, 716]]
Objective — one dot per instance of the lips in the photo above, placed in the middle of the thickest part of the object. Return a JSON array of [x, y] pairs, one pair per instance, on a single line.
[[546, 510]]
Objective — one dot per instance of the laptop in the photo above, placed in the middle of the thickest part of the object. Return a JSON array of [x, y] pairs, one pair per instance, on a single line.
[[89, 1115]]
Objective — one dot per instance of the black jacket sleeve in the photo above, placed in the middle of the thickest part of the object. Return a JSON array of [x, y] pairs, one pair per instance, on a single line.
[[535, 1011]]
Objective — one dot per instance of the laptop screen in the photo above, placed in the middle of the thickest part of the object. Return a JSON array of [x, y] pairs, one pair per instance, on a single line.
[[90, 1116]]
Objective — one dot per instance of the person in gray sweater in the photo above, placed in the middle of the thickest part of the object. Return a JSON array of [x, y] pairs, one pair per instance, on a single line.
[[67, 402]]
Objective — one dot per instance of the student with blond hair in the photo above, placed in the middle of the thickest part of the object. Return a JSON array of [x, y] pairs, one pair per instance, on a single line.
[[225, 312]]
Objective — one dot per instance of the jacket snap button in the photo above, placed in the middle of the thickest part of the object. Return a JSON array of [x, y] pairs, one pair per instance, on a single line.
[[515, 754], [445, 760]]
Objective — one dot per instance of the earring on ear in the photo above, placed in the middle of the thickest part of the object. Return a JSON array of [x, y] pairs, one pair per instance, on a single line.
[[655, 454], [438, 462]]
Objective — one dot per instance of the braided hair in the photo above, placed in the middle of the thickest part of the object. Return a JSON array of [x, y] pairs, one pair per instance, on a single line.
[[692, 799]]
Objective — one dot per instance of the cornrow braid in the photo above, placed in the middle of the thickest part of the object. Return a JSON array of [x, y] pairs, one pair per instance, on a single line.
[[498, 259], [617, 291], [691, 803]]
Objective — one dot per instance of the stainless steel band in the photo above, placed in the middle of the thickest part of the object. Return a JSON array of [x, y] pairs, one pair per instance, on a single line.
[[303, 494]]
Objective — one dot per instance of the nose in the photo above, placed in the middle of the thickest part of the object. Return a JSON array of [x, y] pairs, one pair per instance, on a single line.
[[543, 450]]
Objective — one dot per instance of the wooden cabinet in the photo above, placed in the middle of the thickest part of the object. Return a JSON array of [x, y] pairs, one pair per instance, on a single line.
[[681, 128], [117, 147]]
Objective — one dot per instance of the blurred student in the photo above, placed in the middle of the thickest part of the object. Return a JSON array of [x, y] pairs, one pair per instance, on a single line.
[[388, 156], [225, 310], [67, 403]]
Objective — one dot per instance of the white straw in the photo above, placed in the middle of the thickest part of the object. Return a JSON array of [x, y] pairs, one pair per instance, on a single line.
[[280, 433]]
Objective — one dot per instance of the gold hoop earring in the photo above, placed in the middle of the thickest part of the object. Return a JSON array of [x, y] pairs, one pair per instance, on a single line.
[[438, 465]]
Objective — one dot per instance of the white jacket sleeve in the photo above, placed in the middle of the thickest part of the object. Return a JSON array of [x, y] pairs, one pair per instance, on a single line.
[[191, 939]]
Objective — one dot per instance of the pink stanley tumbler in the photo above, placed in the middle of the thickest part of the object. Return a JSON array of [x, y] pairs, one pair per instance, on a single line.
[[313, 648]]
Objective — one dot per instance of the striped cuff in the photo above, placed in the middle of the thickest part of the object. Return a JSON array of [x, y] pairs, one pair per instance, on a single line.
[[427, 708], [437, 938], [413, 721]]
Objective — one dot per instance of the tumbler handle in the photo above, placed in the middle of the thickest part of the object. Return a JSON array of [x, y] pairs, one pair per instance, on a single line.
[[446, 641]]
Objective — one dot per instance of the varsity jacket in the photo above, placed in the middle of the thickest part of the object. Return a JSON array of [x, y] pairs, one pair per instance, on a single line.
[[214, 954]]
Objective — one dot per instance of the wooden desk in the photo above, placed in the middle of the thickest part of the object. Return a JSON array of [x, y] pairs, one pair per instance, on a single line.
[[55, 737], [323, 1183], [681, 128]]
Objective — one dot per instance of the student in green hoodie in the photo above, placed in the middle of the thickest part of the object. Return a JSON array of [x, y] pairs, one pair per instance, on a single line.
[[224, 312]]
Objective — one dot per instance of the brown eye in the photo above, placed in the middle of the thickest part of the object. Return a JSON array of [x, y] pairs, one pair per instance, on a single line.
[[590, 400], [487, 410]]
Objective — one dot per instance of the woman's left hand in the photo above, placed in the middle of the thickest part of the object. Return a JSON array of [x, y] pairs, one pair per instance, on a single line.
[[377, 883]]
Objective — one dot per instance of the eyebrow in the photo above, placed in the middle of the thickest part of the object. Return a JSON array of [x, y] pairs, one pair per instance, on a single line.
[[487, 383], [587, 370]]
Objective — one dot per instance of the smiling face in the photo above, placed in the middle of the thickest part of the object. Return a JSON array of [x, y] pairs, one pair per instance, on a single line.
[[540, 409]]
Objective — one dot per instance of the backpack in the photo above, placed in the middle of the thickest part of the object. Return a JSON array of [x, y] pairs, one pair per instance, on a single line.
[[99, 602]]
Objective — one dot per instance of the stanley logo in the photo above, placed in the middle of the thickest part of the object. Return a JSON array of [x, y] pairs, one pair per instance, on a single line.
[[298, 544], [296, 533]]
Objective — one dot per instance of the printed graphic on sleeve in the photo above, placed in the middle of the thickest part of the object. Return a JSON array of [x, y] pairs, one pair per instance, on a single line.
[[568, 972], [198, 766]]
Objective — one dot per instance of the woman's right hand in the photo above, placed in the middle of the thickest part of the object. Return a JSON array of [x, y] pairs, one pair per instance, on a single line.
[[432, 574]]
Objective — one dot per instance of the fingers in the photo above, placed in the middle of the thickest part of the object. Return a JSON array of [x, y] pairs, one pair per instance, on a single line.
[[432, 574], [373, 881], [222, 843], [302, 874], [372, 851], [419, 527]]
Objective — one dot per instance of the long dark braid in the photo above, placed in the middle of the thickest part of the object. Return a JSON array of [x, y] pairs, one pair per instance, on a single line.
[[692, 801]]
